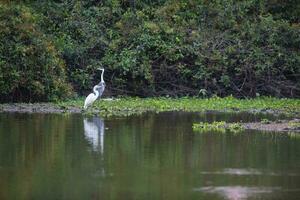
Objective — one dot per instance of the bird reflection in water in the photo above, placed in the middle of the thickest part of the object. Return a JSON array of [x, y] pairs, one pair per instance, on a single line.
[[94, 132]]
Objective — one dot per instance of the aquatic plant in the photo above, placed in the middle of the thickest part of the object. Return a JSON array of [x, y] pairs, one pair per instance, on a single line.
[[214, 126], [294, 125], [220, 126], [235, 127], [128, 106], [265, 121]]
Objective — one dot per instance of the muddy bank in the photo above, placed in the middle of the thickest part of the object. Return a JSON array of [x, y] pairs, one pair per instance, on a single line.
[[38, 108], [280, 125]]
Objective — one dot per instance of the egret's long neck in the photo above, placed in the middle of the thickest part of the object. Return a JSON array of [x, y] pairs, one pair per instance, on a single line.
[[102, 76], [96, 91]]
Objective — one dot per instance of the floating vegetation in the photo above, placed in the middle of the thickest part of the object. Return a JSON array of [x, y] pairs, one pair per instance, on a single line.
[[295, 125], [265, 121], [235, 127], [133, 106], [205, 126], [218, 127], [129, 106]]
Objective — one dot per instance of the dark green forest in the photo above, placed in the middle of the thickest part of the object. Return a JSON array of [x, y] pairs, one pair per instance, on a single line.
[[50, 50]]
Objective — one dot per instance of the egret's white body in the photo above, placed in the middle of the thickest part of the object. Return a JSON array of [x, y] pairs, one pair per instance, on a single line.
[[91, 98]]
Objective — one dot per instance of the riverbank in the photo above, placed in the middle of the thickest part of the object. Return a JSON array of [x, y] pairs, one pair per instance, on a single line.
[[133, 106], [130, 106]]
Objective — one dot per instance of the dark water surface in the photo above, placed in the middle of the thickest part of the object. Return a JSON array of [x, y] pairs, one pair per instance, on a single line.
[[154, 156]]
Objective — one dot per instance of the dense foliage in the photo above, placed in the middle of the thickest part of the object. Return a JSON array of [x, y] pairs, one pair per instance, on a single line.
[[167, 47], [30, 67]]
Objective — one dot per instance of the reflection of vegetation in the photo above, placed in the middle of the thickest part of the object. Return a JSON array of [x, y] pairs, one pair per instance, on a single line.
[[218, 127], [294, 135], [44, 157], [129, 106], [149, 156]]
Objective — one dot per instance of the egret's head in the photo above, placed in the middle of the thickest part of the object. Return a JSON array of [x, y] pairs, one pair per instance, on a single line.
[[100, 68]]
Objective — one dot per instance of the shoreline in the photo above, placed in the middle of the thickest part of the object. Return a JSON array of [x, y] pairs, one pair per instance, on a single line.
[[157, 104], [134, 106], [126, 111], [37, 108]]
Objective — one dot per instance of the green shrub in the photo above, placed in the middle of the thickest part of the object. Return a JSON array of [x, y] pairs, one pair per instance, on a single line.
[[222, 47], [30, 66], [77, 30], [175, 48]]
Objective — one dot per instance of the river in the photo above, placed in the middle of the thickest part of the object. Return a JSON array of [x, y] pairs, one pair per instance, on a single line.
[[151, 156]]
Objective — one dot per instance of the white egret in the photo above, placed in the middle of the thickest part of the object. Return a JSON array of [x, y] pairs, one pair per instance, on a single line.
[[91, 98]]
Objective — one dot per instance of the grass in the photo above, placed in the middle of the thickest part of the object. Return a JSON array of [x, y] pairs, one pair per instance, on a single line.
[[129, 106]]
